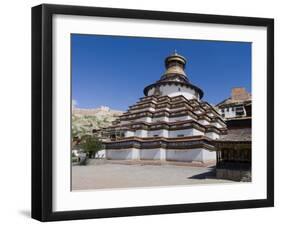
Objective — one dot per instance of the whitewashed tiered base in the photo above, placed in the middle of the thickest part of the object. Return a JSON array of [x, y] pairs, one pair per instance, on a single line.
[[189, 155]]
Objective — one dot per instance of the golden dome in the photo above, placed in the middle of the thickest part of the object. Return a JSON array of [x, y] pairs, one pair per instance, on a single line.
[[175, 65]]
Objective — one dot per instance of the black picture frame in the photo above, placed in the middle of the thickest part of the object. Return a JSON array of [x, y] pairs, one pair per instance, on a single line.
[[42, 111]]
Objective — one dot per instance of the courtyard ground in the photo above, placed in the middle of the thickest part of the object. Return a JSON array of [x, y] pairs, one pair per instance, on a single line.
[[105, 174]]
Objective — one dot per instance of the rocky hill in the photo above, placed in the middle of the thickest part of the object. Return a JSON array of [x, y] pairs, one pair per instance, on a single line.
[[85, 120]]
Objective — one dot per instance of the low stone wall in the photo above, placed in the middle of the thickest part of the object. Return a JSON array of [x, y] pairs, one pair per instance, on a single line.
[[235, 175]]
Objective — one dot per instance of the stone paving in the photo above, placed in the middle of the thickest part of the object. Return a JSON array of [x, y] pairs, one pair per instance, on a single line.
[[103, 174]]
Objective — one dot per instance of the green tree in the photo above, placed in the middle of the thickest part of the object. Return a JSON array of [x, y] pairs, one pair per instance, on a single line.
[[91, 145]]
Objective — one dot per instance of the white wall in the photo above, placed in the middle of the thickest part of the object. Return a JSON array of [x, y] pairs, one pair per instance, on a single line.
[[209, 156], [150, 154], [204, 122], [129, 133], [174, 133], [184, 155], [142, 109], [216, 124], [172, 90], [164, 133], [158, 119], [124, 154], [141, 133], [198, 112], [189, 155], [124, 122], [144, 119], [118, 154], [161, 119], [182, 118], [172, 119], [212, 135], [15, 194], [185, 132], [159, 133]]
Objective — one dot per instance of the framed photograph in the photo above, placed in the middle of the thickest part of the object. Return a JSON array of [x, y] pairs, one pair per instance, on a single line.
[[146, 112]]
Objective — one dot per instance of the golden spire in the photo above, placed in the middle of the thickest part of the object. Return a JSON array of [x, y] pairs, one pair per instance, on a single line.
[[175, 64]]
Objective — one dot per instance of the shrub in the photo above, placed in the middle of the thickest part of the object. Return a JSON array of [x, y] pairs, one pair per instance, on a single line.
[[91, 145]]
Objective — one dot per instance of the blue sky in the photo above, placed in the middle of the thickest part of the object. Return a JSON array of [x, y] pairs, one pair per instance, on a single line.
[[113, 70]]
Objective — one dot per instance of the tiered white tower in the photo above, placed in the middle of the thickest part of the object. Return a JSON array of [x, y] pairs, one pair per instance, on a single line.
[[170, 123]]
